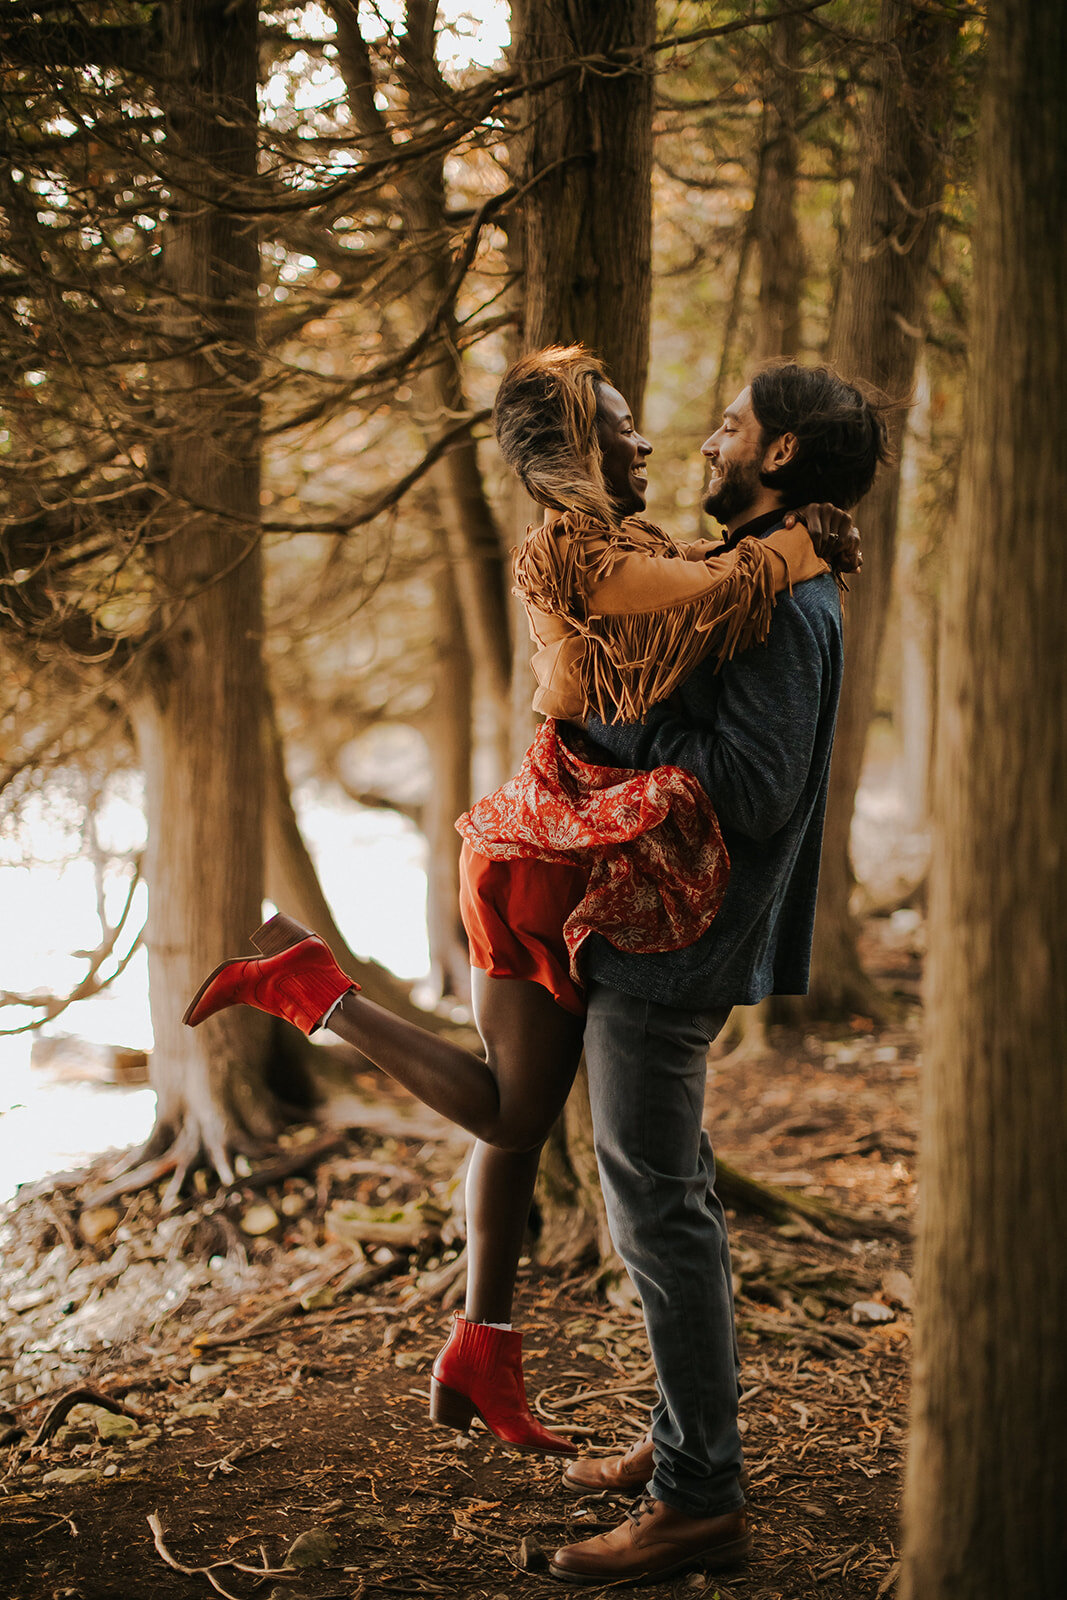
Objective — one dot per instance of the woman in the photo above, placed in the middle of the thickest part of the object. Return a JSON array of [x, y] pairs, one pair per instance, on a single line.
[[620, 614]]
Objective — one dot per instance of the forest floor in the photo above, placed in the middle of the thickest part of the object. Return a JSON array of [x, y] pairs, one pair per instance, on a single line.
[[278, 1381]]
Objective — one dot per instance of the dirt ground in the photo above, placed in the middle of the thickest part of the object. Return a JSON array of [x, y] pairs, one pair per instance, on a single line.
[[265, 1429]]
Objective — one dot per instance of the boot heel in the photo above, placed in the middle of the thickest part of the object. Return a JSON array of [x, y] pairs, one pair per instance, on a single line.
[[449, 1407], [278, 934]]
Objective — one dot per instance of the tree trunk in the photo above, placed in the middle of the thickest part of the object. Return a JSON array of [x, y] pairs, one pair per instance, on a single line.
[[197, 710], [915, 687], [474, 666], [988, 1458], [293, 883], [588, 154], [587, 230], [775, 201], [480, 570], [448, 734], [914, 712], [775, 230], [474, 540], [719, 398], [570, 1208], [769, 225], [876, 337]]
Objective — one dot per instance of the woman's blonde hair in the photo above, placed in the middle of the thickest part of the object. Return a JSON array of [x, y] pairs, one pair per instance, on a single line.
[[545, 420]]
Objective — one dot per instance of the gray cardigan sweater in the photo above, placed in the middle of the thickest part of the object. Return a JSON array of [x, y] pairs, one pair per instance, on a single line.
[[758, 735]]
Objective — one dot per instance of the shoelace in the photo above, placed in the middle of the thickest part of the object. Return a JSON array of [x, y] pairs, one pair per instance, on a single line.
[[644, 1508]]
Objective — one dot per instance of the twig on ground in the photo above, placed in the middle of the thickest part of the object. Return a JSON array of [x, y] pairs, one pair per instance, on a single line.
[[580, 1396], [61, 1518], [800, 1327], [61, 1225], [437, 1285], [889, 1580], [228, 1463], [464, 1520], [280, 1574], [275, 1317]]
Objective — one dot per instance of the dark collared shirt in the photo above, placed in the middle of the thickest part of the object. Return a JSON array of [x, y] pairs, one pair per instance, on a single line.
[[756, 527]]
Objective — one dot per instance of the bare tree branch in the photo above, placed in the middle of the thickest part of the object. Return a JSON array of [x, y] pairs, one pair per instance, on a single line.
[[389, 497]]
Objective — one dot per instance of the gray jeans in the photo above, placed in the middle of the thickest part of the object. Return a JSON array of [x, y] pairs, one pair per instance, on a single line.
[[647, 1065]]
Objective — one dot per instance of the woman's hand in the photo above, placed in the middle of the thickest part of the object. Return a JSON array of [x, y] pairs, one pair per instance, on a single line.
[[833, 533]]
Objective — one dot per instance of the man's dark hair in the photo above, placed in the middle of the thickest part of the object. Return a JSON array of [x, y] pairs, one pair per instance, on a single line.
[[840, 432]]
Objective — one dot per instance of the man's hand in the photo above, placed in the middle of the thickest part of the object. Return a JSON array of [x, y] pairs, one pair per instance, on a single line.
[[833, 533]]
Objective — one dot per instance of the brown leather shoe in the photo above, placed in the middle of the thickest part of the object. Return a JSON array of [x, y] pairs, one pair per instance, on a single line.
[[654, 1542], [625, 1474]]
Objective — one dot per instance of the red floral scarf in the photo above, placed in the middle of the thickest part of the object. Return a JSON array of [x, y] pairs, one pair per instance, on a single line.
[[658, 863]]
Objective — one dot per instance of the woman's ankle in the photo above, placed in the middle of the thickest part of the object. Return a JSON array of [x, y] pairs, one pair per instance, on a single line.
[[338, 1003], [490, 1317]]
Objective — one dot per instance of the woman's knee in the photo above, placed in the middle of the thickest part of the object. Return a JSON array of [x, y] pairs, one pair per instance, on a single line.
[[532, 1092], [520, 1130]]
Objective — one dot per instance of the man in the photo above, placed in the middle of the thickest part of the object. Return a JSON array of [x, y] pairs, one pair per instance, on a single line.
[[758, 735]]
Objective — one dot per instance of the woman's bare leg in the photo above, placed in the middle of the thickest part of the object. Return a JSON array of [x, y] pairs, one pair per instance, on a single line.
[[499, 1194], [500, 1183], [513, 1097]]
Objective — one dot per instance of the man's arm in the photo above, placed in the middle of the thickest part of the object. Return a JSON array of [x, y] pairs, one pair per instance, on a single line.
[[754, 756]]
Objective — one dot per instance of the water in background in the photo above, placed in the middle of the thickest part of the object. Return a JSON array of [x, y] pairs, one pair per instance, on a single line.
[[372, 867]]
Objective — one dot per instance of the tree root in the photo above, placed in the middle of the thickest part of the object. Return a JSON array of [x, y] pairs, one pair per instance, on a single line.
[[161, 1156], [356, 1278], [81, 1397], [751, 1047], [297, 1160], [839, 989], [735, 1187], [131, 1179], [905, 898], [748, 1027], [157, 1158]]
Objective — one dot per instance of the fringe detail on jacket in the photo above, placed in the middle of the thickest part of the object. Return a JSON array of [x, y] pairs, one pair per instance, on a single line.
[[633, 660]]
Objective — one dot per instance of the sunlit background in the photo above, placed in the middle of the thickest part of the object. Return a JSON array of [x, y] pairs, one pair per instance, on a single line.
[[372, 867], [371, 863]]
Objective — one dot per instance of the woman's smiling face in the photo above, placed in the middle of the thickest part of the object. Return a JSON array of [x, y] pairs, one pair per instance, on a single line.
[[623, 452]]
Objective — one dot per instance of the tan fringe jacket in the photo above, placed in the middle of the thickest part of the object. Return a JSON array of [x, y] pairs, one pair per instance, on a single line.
[[620, 616]]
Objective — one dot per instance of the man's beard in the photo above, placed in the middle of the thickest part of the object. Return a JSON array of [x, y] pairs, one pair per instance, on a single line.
[[737, 490]]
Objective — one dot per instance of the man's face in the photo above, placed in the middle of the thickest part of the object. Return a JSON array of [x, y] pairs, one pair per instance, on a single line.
[[735, 454]]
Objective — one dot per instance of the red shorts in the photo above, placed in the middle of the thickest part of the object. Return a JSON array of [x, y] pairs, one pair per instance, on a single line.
[[514, 913]]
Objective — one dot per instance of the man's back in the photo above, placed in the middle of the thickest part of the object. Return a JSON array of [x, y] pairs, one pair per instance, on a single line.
[[758, 735]]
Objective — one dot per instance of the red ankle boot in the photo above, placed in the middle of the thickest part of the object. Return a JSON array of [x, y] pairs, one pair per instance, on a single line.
[[296, 978], [479, 1373]]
